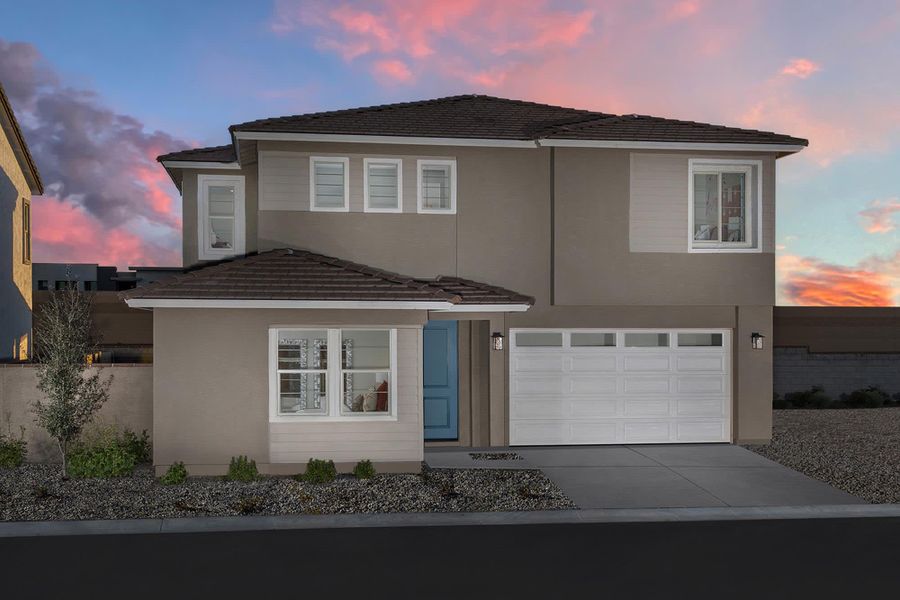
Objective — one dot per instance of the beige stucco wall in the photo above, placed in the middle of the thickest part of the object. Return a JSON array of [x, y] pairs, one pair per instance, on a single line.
[[211, 398], [15, 273], [130, 404]]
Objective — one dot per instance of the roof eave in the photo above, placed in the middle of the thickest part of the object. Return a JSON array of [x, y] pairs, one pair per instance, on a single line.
[[20, 149]]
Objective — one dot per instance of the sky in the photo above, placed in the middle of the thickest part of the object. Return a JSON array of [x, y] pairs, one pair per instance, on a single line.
[[102, 88]]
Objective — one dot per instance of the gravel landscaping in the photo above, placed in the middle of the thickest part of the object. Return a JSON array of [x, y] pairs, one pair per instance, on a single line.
[[36, 492], [856, 450]]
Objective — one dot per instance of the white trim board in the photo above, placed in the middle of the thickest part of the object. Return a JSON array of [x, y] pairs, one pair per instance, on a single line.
[[323, 304], [471, 308], [670, 145], [197, 164]]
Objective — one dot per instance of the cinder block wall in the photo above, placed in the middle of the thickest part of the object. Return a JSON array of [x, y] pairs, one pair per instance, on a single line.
[[130, 404], [798, 369]]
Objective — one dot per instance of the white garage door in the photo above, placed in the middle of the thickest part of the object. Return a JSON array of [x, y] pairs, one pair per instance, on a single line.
[[634, 386]]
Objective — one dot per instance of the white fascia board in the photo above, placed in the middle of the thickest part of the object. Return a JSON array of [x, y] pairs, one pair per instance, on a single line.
[[320, 304], [196, 164], [382, 139], [670, 145], [468, 308]]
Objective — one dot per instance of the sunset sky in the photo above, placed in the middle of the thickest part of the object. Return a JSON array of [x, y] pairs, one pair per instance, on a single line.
[[102, 87]]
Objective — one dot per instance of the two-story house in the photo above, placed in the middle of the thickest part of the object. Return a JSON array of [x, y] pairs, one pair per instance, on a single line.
[[19, 179], [467, 270]]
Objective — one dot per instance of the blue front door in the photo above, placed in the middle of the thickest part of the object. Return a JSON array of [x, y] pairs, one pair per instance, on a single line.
[[440, 379]]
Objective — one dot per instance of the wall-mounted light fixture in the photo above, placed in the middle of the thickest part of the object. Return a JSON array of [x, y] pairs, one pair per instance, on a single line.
[[497, 340], [756, 340]]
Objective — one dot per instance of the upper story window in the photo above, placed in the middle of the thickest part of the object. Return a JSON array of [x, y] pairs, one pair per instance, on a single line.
[[329, 184], [383, 185], [437, 186], [43, 285], [724, 205], [26, 231], [220, 205]]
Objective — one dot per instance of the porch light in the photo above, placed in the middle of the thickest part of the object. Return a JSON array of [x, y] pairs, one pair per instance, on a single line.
[[756, 339], [497, 340]]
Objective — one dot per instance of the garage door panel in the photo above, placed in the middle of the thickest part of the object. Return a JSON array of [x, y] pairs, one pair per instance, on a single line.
[[712, 384], [700, 407], [605, 363], [700, 431], [647, 407], [651, 362], [538, 384], [637, 432], [537, 407], [525, 433], [617, 394], [715, 364], [593, 407], [594, 433], [537, 363], [592, 385], [647, 385]]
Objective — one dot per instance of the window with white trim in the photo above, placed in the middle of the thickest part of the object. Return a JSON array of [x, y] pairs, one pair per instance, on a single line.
[[26, 231], [436, 181], [332, 374], [220, 206], [383, 185], [724, 204], [329, 183]]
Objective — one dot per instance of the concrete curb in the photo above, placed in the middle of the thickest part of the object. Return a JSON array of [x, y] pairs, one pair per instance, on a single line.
[[288, 522]]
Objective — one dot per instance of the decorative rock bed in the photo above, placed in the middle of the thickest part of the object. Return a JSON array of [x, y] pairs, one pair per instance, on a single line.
[[855, 450], [36, 492], [495, 456]]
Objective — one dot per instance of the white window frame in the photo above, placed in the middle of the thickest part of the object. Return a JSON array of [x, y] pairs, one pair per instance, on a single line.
[[398, 162], [754, 208], [204, 250], [334, 377], [312, 183], [420, 204]]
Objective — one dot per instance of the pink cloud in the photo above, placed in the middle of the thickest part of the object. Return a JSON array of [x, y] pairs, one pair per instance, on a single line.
[[878, 216], [806, 281], [392, 70], [800, 67], [683, 9]]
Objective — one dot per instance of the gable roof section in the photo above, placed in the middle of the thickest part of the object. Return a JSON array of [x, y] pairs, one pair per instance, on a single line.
[[299, 278], [222, 154], [13, 133]]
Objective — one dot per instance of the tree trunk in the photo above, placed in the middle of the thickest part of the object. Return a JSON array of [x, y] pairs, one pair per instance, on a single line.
[[62, 450]]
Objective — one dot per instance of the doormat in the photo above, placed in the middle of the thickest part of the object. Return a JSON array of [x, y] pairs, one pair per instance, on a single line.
[[495, 456]]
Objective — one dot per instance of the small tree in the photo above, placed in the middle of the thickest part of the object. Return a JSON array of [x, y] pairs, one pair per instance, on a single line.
[[64, 350]]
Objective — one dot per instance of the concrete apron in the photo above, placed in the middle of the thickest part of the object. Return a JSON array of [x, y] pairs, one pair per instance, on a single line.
[[550, 517]]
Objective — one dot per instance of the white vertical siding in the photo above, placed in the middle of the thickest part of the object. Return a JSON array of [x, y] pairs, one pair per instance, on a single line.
[[348, 441]]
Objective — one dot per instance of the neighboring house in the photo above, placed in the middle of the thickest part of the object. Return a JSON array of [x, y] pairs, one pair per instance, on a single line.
[[839, 348], [19, 180], [92, 277], [568, 277]]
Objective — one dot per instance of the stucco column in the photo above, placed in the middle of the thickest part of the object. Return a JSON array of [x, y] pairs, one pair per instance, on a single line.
[[753, 384]]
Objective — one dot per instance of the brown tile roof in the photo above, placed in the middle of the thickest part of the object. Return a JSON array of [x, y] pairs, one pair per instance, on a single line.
[[486, 117], [656, 129], [224, 154], [474, 292], [288, 274]]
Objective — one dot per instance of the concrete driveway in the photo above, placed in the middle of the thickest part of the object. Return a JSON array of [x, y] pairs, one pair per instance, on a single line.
[[658, 476]]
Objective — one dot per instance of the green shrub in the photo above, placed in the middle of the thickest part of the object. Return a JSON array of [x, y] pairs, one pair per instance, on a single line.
[[242, 469], [138, 445], [364, 469], [870, 397], [12, 450], [110, 460], [811, 398], [319, 471], [176, 474]]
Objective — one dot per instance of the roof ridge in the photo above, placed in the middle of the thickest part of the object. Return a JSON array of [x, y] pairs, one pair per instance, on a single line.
[[400, 105]]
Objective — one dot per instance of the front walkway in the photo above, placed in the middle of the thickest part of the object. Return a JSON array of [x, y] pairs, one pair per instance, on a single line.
[[658, 476]]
